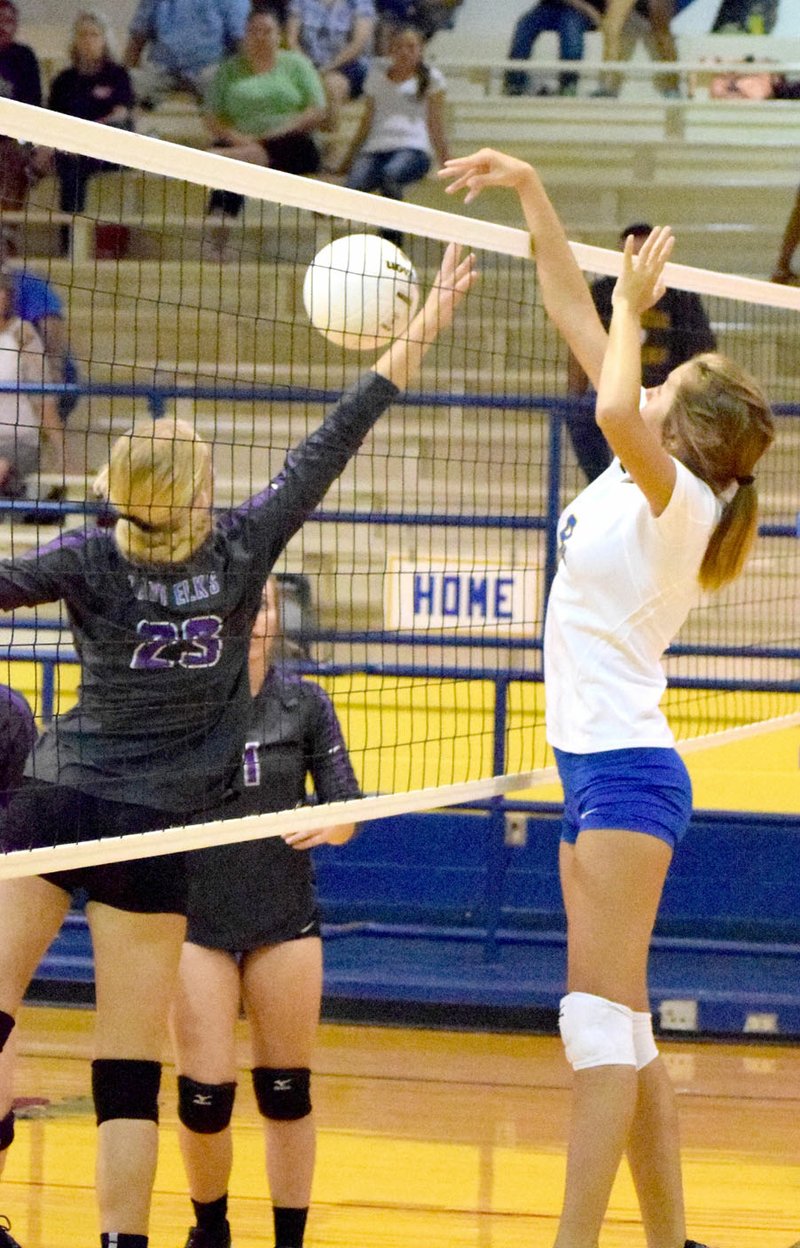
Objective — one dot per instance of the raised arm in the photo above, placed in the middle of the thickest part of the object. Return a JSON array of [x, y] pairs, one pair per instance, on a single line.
[[633, 436], [566, 296], [403, 360]]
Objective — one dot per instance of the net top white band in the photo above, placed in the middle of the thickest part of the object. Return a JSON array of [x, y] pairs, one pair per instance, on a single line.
[[38, 125]]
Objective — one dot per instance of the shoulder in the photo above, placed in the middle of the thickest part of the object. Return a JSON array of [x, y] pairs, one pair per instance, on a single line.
[[64, 79], [24, 53], [692, 506]]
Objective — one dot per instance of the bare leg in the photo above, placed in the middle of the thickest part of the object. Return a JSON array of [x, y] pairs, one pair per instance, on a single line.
[[31, 912], [203, 1025], [661, 13], [654, 1158], [617, 13], [612, 882], [282, 993], [136, 966]]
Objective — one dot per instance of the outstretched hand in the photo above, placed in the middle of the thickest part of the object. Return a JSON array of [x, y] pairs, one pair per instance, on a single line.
[[641, 283], [481, 170], [452, 283]]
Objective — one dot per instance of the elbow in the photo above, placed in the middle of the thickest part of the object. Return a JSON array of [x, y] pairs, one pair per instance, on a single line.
[[609, 415]]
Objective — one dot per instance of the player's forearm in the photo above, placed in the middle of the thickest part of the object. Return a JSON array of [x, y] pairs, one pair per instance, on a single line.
[[620, 380], [402, 362], [566, 296]]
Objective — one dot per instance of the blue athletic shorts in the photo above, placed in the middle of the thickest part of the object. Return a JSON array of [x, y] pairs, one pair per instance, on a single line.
[[640, 790]]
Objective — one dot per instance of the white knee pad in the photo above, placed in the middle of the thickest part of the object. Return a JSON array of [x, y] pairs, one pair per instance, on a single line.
[[596, 1032], [643, 1042]]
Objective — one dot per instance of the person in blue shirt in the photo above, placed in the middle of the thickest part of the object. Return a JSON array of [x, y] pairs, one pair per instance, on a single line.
[[36, 301], [186, 40]]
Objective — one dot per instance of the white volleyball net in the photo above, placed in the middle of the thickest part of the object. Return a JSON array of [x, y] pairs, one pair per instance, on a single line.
[[415, 594]]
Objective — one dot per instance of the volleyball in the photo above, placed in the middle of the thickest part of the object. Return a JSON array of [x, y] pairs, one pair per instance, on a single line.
[[360, 291]]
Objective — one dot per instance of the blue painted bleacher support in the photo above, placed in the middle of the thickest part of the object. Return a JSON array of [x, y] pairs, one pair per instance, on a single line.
[[407, 905]]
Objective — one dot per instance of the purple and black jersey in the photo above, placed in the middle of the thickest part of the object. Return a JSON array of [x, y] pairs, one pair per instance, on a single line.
[[164, 697], [262, 892], [17, 735]]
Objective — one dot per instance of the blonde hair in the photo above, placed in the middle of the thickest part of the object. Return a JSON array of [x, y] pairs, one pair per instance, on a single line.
[[719, 426], [160, 483], [102, 23]]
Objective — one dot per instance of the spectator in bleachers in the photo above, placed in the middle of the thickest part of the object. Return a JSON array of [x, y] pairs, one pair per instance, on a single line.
[[674, 330], [570, 19], [658, 15], [337, 35], [24, 417], [185, 42], [97, 88], [20, 79], [403, 124], [264, 105], [35, 300]]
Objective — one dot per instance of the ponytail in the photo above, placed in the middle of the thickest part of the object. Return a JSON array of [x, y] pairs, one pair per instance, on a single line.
[[732, 539], [423, 79], [719, 426]]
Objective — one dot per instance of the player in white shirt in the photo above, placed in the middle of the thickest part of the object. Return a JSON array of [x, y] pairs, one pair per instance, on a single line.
[[636, 548]]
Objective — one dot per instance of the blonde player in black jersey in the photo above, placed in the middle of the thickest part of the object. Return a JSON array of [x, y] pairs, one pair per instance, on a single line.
[[254, 937], [161, 608], [637, 546]]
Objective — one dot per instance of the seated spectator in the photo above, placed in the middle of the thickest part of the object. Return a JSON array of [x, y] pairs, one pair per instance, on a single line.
[[403, 123], [658, 15], [96, 88], [673, 331], [337, 36], [23, 417], [428, 16], [185, 40], [20, 79], [570, 19], [35, 300], [264, 105]]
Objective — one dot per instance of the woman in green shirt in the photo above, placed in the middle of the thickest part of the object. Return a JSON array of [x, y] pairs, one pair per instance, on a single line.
[[264, 105]]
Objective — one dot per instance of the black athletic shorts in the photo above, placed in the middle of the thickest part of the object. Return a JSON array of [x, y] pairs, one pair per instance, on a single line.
[[42, 815]]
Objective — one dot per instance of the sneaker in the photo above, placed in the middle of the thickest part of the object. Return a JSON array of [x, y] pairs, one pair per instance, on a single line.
[[6, 1238], [692, 1243], [197, 1239]]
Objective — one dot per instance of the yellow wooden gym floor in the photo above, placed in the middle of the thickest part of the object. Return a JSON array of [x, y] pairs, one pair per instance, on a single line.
[[426, 1138]]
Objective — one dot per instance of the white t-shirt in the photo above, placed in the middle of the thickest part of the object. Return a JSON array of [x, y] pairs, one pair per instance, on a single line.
[[626, 581], [21, 359], [400, 117]]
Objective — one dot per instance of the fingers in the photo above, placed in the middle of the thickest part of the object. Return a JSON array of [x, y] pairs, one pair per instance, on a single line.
[[657, 247]]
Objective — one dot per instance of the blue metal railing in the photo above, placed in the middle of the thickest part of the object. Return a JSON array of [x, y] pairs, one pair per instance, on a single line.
[[555, 406]]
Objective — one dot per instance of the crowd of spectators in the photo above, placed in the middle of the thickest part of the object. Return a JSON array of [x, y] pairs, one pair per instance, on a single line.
[[269, 78]]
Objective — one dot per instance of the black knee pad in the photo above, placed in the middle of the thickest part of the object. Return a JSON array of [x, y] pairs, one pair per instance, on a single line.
[[284, 1095], [125, 1089], [6, 1131], [205, 1107], [6, 1028]]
